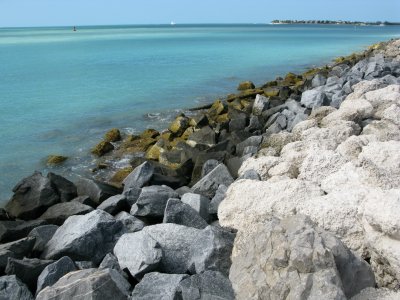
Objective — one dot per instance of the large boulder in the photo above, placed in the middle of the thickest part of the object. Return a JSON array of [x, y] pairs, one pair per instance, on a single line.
[[32, 196], [115, 204], [198, 202], [11, 288], [14, 230], [309, 261], [313, 98], [181, 213], [131, 223], [97, 191], [158, 286], [88, 237], [42, 235], [65, 188], [208, 185], [57, 214], [205, 136], [94, 284], [152, 201], [260, 104], [54, 271], [245, 85], [139, 177], [207, 285], [27, 269]]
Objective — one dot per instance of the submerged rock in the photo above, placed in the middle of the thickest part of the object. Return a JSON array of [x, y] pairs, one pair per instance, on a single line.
[[246, 85], [102, 148]]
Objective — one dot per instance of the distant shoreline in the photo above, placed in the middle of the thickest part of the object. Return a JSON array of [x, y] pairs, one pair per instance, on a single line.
[[329, 22]]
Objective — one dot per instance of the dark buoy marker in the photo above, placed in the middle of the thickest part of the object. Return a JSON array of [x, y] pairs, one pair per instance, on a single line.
[[74, 28]]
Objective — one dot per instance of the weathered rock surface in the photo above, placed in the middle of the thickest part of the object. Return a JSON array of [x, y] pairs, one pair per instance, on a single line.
[[95, 284], [16, 249], [11, 288], [57, 214], [14, 230], [139, 177], [42, 235], [198, 202], [97, 191], [32, 196], [208, 185], [54, 271], [309, 261], [65, 188], [157, 286], [131, 223], [115, 204], [88, 237]]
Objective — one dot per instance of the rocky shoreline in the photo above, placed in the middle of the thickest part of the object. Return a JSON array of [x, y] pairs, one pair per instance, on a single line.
[[290, 190]]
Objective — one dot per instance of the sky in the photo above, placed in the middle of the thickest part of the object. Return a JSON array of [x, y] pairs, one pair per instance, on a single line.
[[20, 13]]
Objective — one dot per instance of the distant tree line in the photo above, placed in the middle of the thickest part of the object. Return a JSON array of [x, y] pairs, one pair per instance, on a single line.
[[332, 22]]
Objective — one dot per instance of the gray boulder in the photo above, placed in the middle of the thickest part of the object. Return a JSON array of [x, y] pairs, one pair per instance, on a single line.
[[15, 230], [54, 271], [310, 261], [139, 177], [318, 80], [65, 188], [132, 195], [84, 264], [251, 141], [238, 124], [208, 285], [183, 214], [57, 214], [212, 251], [11, 288], [93, 284], [152, 201], [261, 104], [208, 166], [115, 204], [42, 235], [204, 136], [279, 123], [138, 253], [27, 269], [32, 196], [338, 98], [111, 262], [217, 199], [208, 185], [131, 223], [16, 249], [158, 286], [198, 202], [85, 200], [97, 191], [313, 98], [251, 175], [88, 237]]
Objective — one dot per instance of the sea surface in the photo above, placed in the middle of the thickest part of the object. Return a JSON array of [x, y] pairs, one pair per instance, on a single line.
[[60, 90]]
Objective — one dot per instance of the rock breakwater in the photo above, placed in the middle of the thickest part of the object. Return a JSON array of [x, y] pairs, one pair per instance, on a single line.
[[290, 190]]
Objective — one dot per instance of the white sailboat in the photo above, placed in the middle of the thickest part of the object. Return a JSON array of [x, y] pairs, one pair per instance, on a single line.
[[172, 23]]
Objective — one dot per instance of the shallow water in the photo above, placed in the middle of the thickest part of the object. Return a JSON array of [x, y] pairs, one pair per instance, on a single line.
[[61, 90]]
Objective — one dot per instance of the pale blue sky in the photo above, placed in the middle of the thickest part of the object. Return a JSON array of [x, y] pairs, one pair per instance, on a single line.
[[96, 12]]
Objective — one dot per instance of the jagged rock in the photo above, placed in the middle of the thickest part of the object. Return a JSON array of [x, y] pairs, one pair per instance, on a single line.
[[131, 223], [97, 191], [88, 237], [212, 251], [152, 201], [201, 159], [102, 148], [251, 141], [183, 214], [208, 166], [205, 136], [309, 260], [318, 80], [84, 265], [313, 99], [208, 185], [16, 249], [251, 175], [179, 125], [111, 262], [157, 286], [139, 177], [198, 202], [54, 271], [14, 230], [85, 200], [217, 199], [238, 124], [208, 285], [11, 288], [132, 195], [42, 235], [138, 253], [115, 204], [57, 214], [279, 122], [95, 284], [377, 294], [27, 269], [65, 188], [261, 104], [32, 196], [113, 135]]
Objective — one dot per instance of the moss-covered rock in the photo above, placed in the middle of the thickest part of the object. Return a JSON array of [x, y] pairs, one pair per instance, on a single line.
[[153, 153], [271, 91], [236, 104], [222, 119], [270, 84], [113, 135], [231, 97], [179, 125], [187, 133], [120, 175], [246, 85], [291, 79], [56, 159], [134, 144], [217, 109], [150, 133], [171, 159], [102, 148], [250, 93]]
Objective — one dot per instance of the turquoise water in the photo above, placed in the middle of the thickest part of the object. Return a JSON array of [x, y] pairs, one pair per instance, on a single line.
[[61, 90]]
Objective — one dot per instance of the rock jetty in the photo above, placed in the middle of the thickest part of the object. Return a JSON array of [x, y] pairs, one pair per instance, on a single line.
[[290, 190]]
